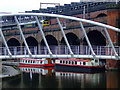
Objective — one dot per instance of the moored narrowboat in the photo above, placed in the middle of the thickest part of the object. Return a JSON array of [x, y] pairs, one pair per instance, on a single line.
[[79, 65], [35, 63]]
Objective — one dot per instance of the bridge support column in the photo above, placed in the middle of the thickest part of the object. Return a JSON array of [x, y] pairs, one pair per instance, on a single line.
[[113, 64]]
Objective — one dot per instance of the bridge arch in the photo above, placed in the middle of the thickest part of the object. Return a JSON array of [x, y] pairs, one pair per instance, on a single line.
[[96, 38], [101, 15], [13, 42], [72, 39], [31, 41], [50, 39]]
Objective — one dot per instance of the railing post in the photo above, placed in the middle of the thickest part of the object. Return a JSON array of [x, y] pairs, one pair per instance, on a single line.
[[78, 50], [119, 50], [100, 51], [97, 50], [15, 50], [111, 52], [5, 51], [35, 50], [86, 49], [108, 50]]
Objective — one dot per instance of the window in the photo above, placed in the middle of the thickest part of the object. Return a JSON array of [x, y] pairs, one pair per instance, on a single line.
[[33, 61], [69, 62], [83, 63], [60, 61], [96, 61], [80, 63], [63, 62], [28, 61], [72, 62], [75, 62]]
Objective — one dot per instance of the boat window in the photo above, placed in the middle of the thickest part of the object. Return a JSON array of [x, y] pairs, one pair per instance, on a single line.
[[60, 61], [83, 63], [69, 62], [33, 61], [72, 62], [63, 62], [96, 61], [66, 62], [75, 62], [80, 63]]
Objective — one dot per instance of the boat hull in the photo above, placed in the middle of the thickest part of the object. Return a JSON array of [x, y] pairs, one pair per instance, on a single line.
[[83, 69]]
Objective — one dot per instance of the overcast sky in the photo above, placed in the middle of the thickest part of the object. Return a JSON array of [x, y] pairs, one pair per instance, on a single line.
[[15, 6]]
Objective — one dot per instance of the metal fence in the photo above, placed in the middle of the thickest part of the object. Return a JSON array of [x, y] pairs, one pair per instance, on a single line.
[[60, 50]]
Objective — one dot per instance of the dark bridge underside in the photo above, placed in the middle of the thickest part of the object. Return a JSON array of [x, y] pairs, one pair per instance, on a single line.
[[96, 38]]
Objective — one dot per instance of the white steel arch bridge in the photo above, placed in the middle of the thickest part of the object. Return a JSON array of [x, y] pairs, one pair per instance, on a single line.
[[110, 52]]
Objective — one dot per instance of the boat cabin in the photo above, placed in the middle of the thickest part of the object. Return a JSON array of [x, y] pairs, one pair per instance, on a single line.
[[86, 62]]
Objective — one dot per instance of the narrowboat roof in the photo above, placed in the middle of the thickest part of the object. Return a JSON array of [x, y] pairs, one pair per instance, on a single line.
[[33, 59], [74, 59]]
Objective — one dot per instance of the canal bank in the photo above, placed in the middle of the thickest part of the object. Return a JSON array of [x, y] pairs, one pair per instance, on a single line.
[[9, 71]]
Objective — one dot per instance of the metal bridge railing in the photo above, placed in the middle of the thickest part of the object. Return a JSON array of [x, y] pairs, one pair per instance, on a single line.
[[67, 51], [60, 50]]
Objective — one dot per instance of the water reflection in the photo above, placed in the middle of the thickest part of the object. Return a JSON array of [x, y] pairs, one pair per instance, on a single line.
[[81, 80], [49, 78], [113, 79]]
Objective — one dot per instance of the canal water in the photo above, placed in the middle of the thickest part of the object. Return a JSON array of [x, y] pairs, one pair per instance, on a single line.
[[49, 78]]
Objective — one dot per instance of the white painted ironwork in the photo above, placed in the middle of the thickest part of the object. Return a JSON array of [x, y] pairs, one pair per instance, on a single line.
[[5, 43], [86, 37], [42, 33], [21, 33], [108, 36], [91, 52], [65, 38]]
